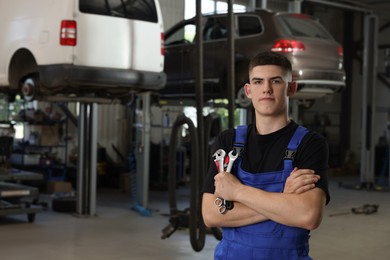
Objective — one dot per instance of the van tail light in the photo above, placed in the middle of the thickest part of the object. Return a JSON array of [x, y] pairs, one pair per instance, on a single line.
[[162, 44], [68, 35], [340, 51], [288, 46]]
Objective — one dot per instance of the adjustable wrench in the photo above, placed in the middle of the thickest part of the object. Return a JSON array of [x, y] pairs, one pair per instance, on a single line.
[[219, 158]]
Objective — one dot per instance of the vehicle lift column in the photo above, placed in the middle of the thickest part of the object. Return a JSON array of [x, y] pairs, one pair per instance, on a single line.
[[142, 153], [87, 159], [367, 174]]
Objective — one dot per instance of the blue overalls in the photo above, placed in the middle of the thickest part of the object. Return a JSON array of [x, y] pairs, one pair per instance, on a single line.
[[266, 240]]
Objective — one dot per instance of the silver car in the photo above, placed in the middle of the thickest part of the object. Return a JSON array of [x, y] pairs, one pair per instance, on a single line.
[[316, 57]]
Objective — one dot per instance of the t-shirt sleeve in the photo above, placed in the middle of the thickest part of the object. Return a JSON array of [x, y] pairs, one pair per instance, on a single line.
[[314, 154]]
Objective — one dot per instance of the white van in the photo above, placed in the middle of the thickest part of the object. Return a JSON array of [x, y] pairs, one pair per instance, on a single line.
[[82, 47]]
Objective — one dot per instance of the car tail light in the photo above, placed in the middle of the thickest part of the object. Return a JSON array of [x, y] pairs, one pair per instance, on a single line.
[[68, 36], [162, 44], [288, 46], [340, 51], [300, 16]]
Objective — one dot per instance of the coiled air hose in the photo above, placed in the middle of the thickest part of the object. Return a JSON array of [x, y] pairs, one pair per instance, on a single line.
[[196, 225]]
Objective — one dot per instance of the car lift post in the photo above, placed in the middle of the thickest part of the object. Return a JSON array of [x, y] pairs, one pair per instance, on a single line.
[[142, 153], [367, 175], [87, 160]]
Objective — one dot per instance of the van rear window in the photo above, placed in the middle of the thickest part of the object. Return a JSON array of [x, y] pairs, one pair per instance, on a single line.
[[143, 10]]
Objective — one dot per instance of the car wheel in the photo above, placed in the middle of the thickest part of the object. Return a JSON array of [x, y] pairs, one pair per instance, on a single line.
[[242, 99], [29, 88]]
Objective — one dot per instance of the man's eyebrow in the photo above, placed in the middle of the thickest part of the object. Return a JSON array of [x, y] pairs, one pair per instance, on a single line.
[[272, 78], [256, 78]]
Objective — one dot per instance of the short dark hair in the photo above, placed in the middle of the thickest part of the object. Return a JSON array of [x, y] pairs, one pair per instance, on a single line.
[[271, 58]]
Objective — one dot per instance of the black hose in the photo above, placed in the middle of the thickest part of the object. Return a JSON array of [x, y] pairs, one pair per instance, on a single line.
[[212, 122], [212, 127], [197, 227]]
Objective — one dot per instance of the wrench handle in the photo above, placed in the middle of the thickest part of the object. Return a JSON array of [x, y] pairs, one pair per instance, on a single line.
[[229, 204]]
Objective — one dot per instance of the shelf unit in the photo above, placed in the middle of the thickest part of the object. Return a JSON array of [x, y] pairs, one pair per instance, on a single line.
[[43, 148], [15, 197], [38, 158]]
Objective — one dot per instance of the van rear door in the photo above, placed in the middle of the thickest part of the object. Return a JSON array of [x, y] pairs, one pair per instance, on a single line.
[[121, 34]]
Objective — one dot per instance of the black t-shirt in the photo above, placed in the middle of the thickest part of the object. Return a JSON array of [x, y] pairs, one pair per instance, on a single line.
[[265, 153]]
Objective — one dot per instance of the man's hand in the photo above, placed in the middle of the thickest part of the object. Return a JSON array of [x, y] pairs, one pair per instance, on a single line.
[[300, 180], [226, 185]]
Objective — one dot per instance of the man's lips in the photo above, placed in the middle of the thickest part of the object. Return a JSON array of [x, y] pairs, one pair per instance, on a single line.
[[267, 99]]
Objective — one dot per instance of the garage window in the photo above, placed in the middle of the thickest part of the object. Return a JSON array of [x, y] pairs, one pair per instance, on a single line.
[[143, 10], [215, 29], [184, 35]]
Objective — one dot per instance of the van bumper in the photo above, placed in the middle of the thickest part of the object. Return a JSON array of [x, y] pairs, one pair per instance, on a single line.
[[65, 75]]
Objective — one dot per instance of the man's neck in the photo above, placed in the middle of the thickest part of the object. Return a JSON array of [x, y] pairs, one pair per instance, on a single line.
[[267, 125]]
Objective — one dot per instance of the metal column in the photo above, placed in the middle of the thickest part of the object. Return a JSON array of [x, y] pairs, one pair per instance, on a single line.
[[367, 174], [294, 110], [231, 64], [295, 6], [86, 171], [143, 152]]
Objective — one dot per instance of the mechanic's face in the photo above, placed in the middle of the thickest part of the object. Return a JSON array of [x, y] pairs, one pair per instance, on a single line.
[[269, 89]]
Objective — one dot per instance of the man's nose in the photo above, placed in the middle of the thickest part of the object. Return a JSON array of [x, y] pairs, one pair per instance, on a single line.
[[267, 87]]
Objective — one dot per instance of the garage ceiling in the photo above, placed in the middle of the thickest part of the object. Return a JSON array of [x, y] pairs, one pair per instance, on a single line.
[[375, 4], [378, 6]]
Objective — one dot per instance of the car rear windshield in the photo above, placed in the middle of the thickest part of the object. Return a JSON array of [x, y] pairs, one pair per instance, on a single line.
[[144, 10], [249, 25], [303, 26]]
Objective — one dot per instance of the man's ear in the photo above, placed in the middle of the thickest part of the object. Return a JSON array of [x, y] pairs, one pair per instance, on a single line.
[[292, 88], [247, 90]]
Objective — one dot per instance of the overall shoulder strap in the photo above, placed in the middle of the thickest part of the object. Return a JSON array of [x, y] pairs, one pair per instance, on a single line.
[[292, 147], [240, 139], [238, 145]]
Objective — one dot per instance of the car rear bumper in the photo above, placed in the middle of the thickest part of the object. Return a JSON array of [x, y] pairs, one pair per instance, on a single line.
[[61, 75], [319, 77], [314, 84]]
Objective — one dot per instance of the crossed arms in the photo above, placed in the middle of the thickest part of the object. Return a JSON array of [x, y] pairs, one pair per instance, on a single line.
[[300, 205]]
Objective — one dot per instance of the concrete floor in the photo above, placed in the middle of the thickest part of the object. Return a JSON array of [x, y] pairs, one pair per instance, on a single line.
[[120, 233]]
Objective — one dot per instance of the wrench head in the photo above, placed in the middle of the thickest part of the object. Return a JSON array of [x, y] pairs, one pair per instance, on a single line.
[[232, 155], [219, 154], [219, 202], [222, 209]]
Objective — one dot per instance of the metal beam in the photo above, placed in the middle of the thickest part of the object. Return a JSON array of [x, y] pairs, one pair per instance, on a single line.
[[199, 80], [231, 71]]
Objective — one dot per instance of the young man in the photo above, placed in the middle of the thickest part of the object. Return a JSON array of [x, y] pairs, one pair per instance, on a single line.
[[278, 185]]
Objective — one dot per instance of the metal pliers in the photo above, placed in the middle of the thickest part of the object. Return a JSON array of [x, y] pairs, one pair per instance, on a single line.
[[221, 160]]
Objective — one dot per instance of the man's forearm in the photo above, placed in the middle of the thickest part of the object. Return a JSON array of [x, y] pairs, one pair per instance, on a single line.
[[299, 210], [240, 215]]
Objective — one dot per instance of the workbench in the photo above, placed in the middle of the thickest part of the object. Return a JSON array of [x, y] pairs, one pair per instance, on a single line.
[[13, 195]]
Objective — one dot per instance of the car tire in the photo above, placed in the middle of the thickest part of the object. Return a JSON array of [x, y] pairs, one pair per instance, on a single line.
[[30, 87], [242, 100]]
